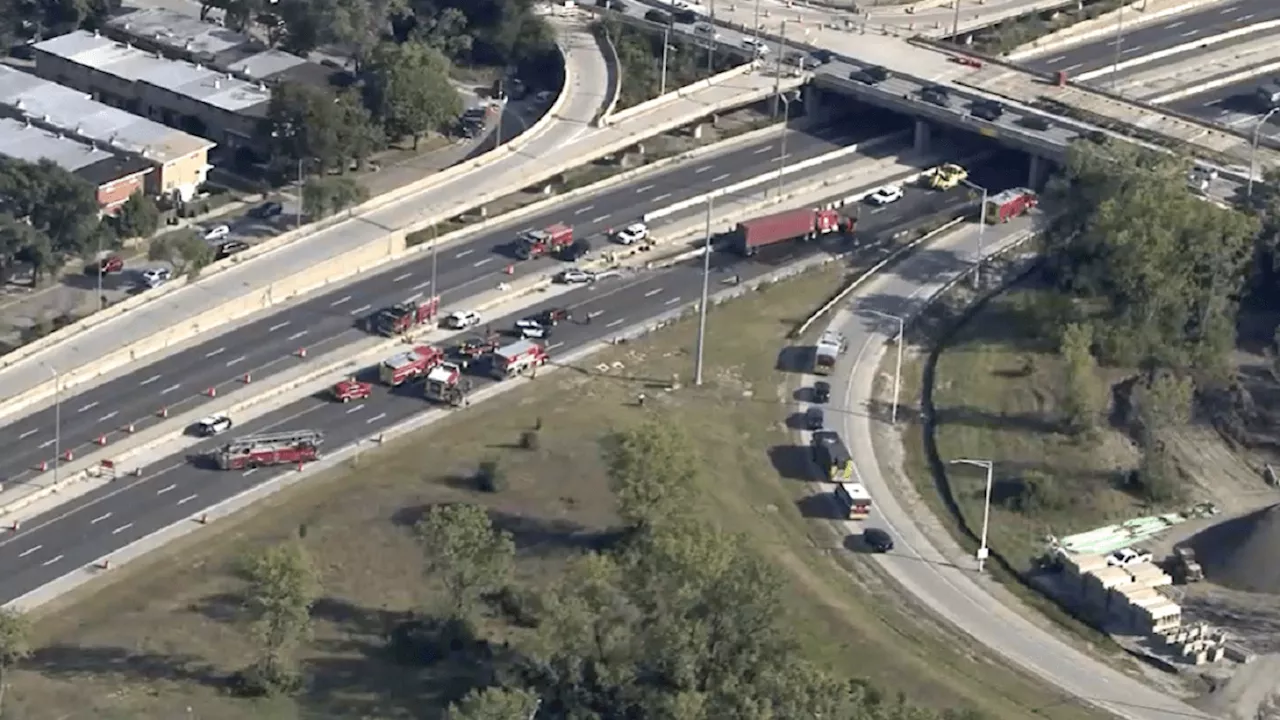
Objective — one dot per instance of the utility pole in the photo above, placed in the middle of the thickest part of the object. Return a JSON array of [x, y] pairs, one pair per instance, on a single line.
[[955, 25], [702, 306], [782, 150], [755, 24], [777, 76], [983, 552], [982, 226]]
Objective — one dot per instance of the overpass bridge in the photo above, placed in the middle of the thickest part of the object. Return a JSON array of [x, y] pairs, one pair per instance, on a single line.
[[930, 18]]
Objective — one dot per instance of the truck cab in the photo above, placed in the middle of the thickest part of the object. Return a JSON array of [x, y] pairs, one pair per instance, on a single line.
[[536, 243]]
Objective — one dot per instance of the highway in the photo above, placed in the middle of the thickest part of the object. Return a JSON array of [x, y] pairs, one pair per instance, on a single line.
[[178, 487], [1232, 105], [1164, 33], [179, 381]]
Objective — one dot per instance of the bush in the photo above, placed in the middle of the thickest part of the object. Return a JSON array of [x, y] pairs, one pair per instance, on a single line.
[[490, 477], [530, 440], [521, 607]]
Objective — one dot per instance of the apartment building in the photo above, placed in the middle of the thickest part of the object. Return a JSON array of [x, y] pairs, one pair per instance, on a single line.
[[114, 177], [180, 160], [198, 99]]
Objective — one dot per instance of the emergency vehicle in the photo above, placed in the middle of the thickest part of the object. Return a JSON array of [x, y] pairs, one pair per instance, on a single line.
[[408, 365], [445, 384], [536, 243], [352, 389], [854, 499], [1008, 204], [830, 454], [476, 347], [403, 317], [511, 360], [252, 451]]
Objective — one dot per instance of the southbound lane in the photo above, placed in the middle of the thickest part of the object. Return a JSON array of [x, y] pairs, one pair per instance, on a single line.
[[177, 487], [181, 381]]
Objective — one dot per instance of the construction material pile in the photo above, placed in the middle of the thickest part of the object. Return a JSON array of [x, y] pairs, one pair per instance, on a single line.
[[1241, 553]]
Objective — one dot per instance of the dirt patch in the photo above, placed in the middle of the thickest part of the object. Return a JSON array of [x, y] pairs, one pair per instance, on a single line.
[[1240, 553]]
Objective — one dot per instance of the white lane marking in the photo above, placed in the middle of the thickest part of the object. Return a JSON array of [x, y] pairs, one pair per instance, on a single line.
[[355, 409], [339, 301], [646, 188], [718, 178], [27, 434], [215, 353], [1245, 17], [25, 553], [465, 253], [404, 276], [235, 360], [375, 418], [581, 210], [673, 300], [186, 499], [1072, 68], [170, 389], [553, 346], [90, 406], [46, 444], [150, 380], [1173, 25], [662, 197], [361, 309], [277, 326], [248, 472], [165, 489], [108, 416], [50, 561], [421, 285], [99, 519], [478, 263], [653, 292], [297, 335], [1187, 34], [615, 323], [762, 150], [122, 528], [602, 218], [702, 169], [1228, 11], [1056, 60]]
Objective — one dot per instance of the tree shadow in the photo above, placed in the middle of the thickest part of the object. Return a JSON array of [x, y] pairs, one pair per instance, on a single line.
[[540, 536], [973, 417], [793, 462], [220, 607], [67, 662]]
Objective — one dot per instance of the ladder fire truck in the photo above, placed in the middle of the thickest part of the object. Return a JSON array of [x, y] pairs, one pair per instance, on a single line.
[[408, 365], [536, 243], [252, 451], [511, 360], [403, 317], [445, 384]]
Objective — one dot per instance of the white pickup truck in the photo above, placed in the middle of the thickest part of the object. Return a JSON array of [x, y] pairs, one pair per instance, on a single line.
[[1125, 557]]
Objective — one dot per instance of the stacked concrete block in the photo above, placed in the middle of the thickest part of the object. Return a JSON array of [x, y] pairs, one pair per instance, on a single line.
[[1149, 575]]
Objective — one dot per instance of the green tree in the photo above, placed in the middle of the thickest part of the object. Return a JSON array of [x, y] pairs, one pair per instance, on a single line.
[[1163, 401], [322, 197], [282, 585], [138, 217], [17, 241], [1082, 400], [311, 125], [185, 250], [15, 646], [653, 469], [409, 90], [447, 32], [466, 552], [495, 703]]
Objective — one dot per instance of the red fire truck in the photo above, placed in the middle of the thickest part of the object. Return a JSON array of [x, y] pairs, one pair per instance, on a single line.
[[1004, 206], [536, 243], [351, 389], [403, 317], [253, 451], [445, 384], [409, 364], [511, 360]]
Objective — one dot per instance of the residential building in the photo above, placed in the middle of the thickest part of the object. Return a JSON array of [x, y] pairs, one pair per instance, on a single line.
[[202, 101], [181, 160], [114, 177]]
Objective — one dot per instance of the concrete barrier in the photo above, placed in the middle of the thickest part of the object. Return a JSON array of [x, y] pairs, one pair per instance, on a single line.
[[1178, 49], [614, 63], [1103, 25], [1215, 83], [651, 104]]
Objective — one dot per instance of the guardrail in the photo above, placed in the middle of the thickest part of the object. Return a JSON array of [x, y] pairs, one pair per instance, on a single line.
[[614, 64], [1215, 83], [648, 105]]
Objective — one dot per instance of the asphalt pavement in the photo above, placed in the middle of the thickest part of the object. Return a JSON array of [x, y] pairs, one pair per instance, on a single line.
[[1235, 106], [176, 488], [1163, 34], [181, 381]]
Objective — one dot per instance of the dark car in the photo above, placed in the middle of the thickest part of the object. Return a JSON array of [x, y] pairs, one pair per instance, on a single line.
[[266, 210], [873, 75], [937, 95], [229, 248], [1035, 122], [878, 540], [551, 316], [687, 17], [823, 56], [821, 391], [657, 16], [575, 251], [814, 418], [989, 110]]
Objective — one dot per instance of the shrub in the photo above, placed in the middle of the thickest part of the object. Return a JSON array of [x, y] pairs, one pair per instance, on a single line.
[[530, 440], [490, 477]]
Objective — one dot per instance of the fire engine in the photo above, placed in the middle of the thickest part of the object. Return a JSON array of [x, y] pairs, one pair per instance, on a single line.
[[1006, 205], [513, 359], [410, 364], [536, 243], [403, 317], [252, 451], [445, 384], [352, 389]]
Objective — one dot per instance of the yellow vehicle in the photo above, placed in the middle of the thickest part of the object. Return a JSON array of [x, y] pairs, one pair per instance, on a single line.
[[945, 177]]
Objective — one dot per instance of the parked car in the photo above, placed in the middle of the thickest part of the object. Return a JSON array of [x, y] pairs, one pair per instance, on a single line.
[[1035, 122], [878, 540], [755, 46], [631, 234], [989, 110], [462, 319], [873, 75], [658, 17], [821, 391], [814, 418], [574, 276], [1125, 557], [886, 195], [215, 424], [266, 210], [936, 95], [530, 329], [217, 232], [229, 248], [155, 277], [105, 266]]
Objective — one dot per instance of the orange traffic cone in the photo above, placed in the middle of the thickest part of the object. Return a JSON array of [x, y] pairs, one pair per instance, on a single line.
[[248, 378], [68, 455], [102, 439], [14, 527], [44, 465], [510, 270], [302, 352], [164, 412], [212, 392], [129, 428]]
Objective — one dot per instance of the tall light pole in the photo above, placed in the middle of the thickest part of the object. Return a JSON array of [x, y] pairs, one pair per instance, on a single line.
[[955, 24], [986, 507], [982, 227], [1253, 150], [297, 213], [57, 420], [666, 49], [755, 24], [782, 151], [435, 262], [702, 306], [897, 370], [1119, 41]]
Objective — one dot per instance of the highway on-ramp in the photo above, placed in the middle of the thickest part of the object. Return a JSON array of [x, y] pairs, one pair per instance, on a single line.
[[954, 592], [172, 489], [327, 320]]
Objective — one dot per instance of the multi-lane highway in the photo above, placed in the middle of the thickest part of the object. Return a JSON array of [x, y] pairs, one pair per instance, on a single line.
[[1160, 35], [180, 381], [171, 489]]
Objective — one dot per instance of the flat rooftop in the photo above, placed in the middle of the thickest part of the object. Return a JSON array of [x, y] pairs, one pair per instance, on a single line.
[[45, 103], [182, 33], [21, 140], [128, 63]]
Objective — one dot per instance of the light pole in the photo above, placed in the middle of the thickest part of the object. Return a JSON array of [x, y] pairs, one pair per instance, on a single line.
[[1119, 41], [986, 507], [755, 24], [702, 306], [982, 227], [955, 25], [1253, 149], [782, 151], [297, 213], [897, 370], [666, 49], [57, 420], [435, 262]]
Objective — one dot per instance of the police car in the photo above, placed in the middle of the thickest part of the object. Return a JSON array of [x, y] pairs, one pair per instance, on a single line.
[[212, 425]]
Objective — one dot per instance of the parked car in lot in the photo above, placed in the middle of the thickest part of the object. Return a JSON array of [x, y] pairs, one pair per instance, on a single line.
[[266, 210], [229, 248], [462, 319], [814, 418], [821, 391], [217, 232], [886, 195], [155, 277]]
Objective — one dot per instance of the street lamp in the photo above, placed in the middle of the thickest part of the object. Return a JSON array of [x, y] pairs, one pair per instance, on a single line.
[[666, 50], [1253, 149], [1118, 42], [57, 420], [986, 508], [982, 227], [702, 306], [897, 371], [786, 99]]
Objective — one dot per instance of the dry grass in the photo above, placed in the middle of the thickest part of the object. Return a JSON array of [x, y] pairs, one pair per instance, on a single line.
[[156, 642]]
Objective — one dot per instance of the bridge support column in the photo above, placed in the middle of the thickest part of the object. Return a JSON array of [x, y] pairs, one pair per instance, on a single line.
[[815, 105], [1035, 172], [921, 143]]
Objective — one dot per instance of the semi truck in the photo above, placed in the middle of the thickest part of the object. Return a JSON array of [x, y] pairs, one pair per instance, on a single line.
[[803, 224], [403, 317], [511, 360], [265, 449], [536, 243], [410, 364], [830, 346], [1008, 204]]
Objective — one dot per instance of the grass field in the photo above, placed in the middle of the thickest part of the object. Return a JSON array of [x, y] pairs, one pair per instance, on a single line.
[[158, 642]]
